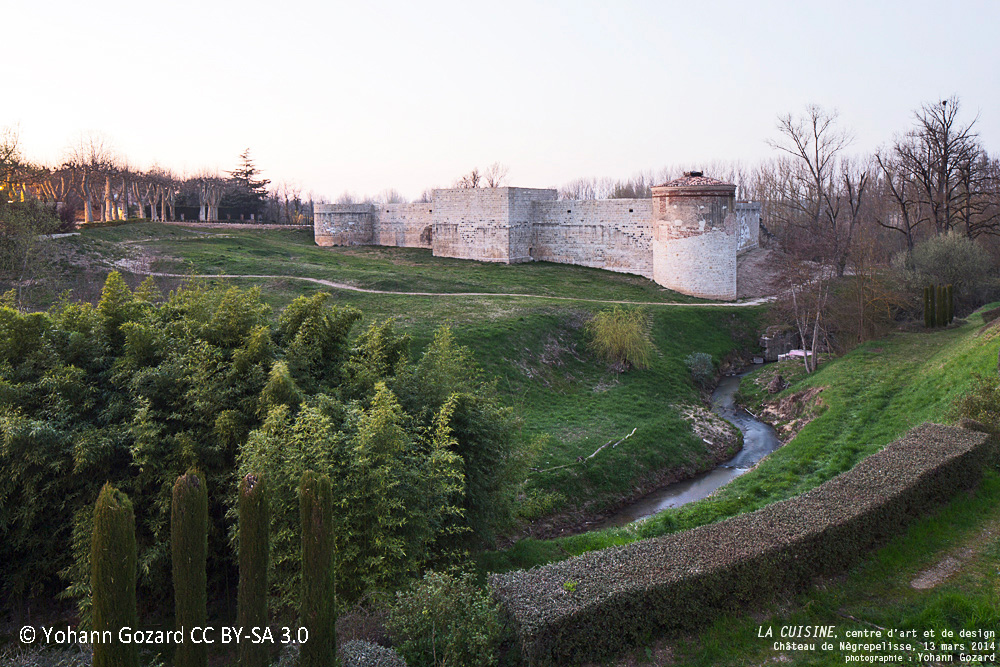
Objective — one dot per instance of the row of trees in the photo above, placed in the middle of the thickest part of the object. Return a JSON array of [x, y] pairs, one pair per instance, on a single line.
[[862, 235], [95, 183]]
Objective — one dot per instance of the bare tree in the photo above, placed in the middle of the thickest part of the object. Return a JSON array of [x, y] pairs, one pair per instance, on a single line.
[[470, 180], [90, 157], [390, 196], [808, 185], [934, 156], [904, 217], [496, 175], [210, 190]]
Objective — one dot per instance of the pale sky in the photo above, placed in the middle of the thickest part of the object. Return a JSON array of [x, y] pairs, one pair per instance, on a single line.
[[361, 96]]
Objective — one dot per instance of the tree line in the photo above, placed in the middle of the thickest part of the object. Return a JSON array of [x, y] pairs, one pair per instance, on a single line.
[[96, 184]]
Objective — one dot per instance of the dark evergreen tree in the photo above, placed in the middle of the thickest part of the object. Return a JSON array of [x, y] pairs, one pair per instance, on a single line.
[[251, 604], [113, 570], [248, 192], [189, 549], [317, 614]]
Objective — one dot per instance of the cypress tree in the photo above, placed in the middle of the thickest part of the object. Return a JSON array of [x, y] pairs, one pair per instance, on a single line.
[[251, 604], [189, 549], [951, 302], [928, 310], [940, 306], [112, 577], [933, 308], [317, 611]]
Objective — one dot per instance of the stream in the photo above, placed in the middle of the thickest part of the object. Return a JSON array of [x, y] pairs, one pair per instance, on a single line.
[[759, 440]]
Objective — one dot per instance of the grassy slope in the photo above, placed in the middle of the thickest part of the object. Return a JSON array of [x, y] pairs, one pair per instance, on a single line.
[[293, 252], [536, 348], [872, 396]]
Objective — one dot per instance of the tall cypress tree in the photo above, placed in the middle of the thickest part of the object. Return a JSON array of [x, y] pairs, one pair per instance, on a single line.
[[189, 551], [112, 578], [251, 602], [317, 613]]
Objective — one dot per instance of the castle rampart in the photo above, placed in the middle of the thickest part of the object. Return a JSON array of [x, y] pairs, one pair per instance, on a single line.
[[686, 237]]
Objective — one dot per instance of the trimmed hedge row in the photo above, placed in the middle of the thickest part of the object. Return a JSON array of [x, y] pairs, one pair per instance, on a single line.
[[597, 604]]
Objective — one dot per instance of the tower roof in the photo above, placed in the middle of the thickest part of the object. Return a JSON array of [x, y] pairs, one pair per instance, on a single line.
[[693, 178]]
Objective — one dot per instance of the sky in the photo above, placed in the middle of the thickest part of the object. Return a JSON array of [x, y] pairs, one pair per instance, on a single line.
[[335, 97]]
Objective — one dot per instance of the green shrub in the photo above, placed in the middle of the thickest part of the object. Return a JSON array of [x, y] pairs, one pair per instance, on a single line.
[[251, 599], [982, 402], [683, 580], [701, 367], [620, 337], [445, 620], [189, 551], [113, 570], [365, 654], [318, 613]]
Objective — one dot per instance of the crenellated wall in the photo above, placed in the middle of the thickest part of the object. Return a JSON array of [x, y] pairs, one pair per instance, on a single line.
[[686, 237]]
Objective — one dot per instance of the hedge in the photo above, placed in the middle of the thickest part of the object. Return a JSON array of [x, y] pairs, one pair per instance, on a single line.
[[602, 602]]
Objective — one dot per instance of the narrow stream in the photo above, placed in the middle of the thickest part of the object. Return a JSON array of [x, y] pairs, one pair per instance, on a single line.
[[759, 440]]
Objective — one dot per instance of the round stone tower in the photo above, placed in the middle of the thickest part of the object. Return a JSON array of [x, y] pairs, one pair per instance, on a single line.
[[694, 236]]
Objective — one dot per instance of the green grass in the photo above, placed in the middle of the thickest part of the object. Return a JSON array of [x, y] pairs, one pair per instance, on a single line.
[[537, 349], [871, 396], [293, 252]]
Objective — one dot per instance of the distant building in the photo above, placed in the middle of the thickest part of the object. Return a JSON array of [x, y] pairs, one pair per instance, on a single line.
[[685, 237]]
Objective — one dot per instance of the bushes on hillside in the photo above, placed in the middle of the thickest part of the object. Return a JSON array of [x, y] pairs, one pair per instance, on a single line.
[[701, 367], [445, 620], [952, 259], [620, 337]]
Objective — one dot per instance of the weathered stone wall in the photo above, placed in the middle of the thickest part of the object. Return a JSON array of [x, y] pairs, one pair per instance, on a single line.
[[405, 225], [748, 225], [694, 238], [686, 237], [339, 224], [612, 234], [700, 265], [487, 224]]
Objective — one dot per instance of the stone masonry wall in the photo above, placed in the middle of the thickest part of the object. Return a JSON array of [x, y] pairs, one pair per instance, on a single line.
[[748, 226], [690, 246], [701, 265], [405, 225], [487, 224], [337, 224], [611, 234]]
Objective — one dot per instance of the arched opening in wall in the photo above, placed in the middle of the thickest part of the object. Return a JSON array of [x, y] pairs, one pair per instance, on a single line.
[[427, 236]]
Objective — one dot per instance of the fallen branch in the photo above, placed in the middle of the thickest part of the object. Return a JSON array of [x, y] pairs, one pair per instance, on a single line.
[[582, 459]]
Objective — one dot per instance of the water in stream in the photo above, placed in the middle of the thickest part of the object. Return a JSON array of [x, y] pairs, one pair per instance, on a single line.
[[759, 440]]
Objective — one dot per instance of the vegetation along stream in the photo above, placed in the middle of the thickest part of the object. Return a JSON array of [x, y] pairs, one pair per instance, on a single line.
[[759, 440]]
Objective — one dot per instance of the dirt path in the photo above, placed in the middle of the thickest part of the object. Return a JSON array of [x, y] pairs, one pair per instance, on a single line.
[[352, 288]]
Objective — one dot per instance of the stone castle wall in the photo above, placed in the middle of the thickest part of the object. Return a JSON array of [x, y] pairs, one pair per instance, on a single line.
[[687, 241], [612, 234]]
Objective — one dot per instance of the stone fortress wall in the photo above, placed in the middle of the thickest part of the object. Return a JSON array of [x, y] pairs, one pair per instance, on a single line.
[[685, 237]]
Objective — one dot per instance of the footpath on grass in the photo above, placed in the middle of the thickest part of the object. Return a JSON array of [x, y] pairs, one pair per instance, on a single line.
[[353, 288]]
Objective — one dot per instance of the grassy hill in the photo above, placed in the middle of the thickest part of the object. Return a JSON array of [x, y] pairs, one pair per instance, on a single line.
[[944, 573], [569, 402]]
